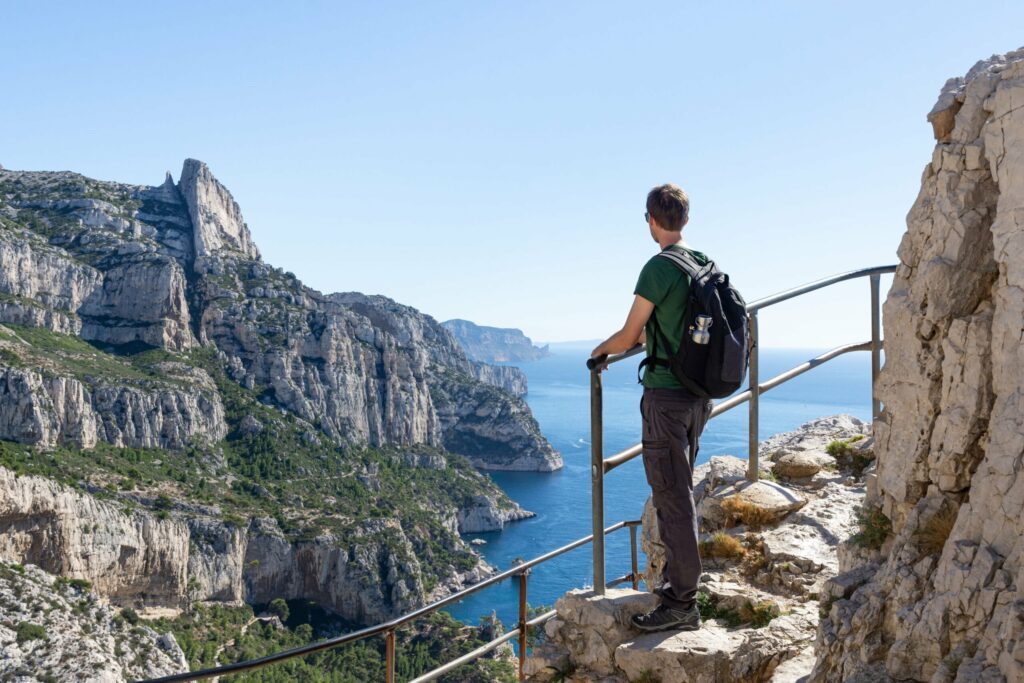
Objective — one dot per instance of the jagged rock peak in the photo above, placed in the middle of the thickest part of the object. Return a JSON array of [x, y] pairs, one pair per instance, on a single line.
[[216, 218]]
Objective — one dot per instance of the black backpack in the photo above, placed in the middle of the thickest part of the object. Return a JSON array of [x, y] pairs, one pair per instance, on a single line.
[[714, 369]]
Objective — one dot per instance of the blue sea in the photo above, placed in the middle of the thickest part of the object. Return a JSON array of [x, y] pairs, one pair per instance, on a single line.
[[559, 395]]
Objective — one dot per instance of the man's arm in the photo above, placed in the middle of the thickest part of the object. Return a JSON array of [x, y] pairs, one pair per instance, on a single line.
[[632, 331]]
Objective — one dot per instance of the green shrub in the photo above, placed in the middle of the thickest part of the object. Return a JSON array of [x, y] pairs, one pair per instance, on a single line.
[[27, 631], [279, 608], [83, 585], [874, 527]]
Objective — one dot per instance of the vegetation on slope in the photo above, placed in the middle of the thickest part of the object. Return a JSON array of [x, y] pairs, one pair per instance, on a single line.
[[435, 640], [272, 463]]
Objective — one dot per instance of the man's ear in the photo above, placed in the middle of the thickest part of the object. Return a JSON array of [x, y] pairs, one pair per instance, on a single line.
[[685, 221]]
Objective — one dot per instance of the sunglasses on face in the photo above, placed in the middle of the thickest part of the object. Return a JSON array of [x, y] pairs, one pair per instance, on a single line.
[[647, 217]]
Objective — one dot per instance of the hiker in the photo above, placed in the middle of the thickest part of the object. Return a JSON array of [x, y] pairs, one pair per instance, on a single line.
[[673, 417]]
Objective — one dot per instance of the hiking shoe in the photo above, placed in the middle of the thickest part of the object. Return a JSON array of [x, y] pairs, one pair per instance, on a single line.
[[663, 618]]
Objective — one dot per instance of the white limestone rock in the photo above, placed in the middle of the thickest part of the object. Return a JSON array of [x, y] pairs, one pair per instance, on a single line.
[[715, 653], [945, 597], [814, 436], [591, 627], [82, 637], [800, 464], [43, 409], [485, 514], [770, 497], [216, 218]]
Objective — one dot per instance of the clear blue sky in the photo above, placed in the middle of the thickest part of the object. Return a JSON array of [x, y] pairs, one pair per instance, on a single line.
[[490, 160]]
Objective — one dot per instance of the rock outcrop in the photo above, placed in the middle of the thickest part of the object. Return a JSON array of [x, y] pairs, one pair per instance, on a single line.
[[44, 410], [495, 344], [217, 223], [53, 629], [512, 380], [484, 513], [944, 601]]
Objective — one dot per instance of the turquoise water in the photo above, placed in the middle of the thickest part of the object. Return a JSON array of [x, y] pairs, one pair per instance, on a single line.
[[560, 399]]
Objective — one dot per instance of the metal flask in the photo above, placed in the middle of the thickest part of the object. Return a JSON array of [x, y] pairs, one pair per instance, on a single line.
[[699, 330]]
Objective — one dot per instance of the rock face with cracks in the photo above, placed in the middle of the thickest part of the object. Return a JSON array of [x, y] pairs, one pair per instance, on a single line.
[[945, 601], [174, 267], [181, 421]]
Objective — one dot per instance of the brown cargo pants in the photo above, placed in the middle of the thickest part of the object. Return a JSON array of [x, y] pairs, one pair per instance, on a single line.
[[673, 420]]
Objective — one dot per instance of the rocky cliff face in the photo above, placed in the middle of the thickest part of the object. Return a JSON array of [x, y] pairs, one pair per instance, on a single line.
[[180, 421], [944, 601], [495, 344], [174, 266], [52, 629], [141, 559], [512, 380]]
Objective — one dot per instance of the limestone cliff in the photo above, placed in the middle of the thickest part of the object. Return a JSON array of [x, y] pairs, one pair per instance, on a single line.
[[943, 603], [495, 344], [181, 421], [142, 559], [172, 267], [52, 629]]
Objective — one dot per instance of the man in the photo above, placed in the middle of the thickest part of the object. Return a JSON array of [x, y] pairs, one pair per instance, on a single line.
[[673, 418]]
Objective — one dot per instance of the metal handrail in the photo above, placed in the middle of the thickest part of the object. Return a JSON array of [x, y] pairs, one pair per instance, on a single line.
[[599, 465], [388, 628], [628, 454]]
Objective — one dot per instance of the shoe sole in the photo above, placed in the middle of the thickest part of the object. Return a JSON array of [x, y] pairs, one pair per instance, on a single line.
[[655, 629]]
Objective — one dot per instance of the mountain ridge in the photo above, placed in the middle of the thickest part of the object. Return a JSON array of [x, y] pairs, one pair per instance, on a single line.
[[154, 371]]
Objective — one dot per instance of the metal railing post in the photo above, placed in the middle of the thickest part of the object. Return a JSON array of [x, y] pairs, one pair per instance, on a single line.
[[389, 656], [597, 477], [876, 346], [523, 628], [752, 424], [632, 558]]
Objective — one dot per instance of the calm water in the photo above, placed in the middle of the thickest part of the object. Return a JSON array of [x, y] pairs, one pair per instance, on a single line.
[[560, 399]]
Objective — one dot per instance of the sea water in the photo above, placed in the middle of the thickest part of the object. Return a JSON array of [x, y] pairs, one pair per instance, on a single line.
[[559, 396]]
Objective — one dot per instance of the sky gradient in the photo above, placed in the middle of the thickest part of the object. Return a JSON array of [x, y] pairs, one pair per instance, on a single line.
[[490, 161]]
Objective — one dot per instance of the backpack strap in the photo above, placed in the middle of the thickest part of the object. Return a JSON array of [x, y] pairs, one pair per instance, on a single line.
[[684, 262], [653, 358]]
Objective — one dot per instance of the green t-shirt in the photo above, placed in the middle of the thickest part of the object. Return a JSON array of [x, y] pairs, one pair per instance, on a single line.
[[668, 288]]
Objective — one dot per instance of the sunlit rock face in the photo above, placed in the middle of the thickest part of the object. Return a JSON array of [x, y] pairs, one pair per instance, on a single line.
[[945, 602], [175, 267]]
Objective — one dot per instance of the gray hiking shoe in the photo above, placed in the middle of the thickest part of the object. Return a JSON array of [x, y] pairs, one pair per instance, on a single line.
[[663, 618]]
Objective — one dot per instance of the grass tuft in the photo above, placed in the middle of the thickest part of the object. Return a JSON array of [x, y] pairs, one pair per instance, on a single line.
[[722, 545], [759, 614], [739, 511], [933, 533], [874, 527]]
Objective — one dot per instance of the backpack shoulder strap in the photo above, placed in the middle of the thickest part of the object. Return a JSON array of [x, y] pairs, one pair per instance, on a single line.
[[686, 263]]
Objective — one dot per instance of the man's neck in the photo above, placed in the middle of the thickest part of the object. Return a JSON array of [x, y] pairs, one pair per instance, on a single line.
[[667, 239]]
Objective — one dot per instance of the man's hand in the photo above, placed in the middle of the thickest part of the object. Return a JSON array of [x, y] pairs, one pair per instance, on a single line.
[[630, 335]]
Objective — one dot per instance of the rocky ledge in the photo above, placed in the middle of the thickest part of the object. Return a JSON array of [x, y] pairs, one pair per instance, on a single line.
[[771, 552]]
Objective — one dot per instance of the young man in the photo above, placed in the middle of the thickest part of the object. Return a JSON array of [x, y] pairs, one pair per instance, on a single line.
[[673, 418]]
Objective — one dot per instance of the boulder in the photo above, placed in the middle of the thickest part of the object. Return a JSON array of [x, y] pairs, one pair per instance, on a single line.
[[800, 464], [716, 653], [591, 627], [768, 497]]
